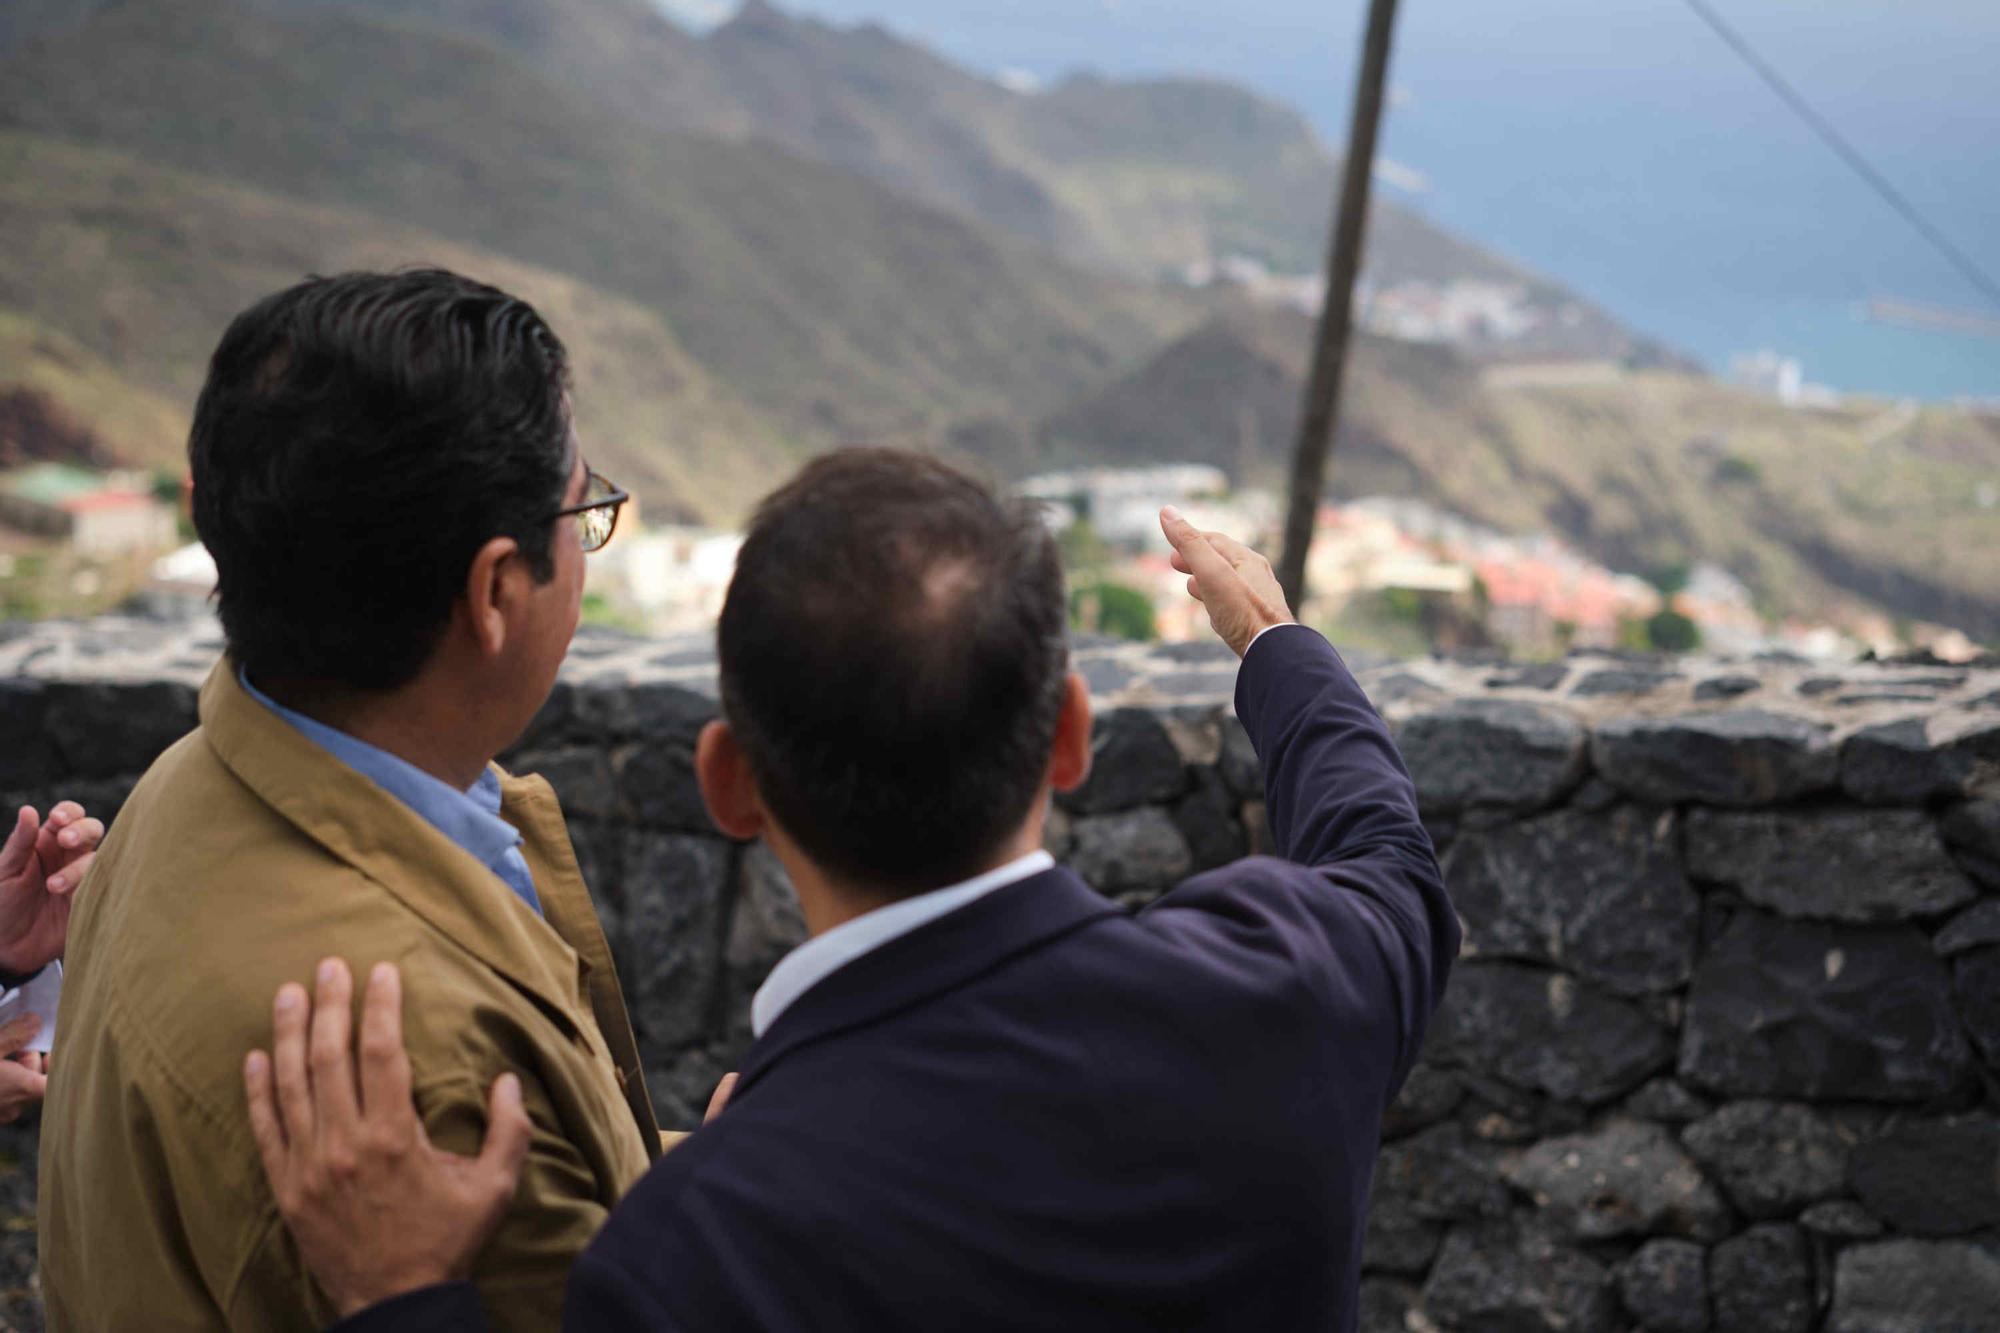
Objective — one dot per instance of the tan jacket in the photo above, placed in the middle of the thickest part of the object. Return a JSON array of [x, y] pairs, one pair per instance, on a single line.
[[245, 855]]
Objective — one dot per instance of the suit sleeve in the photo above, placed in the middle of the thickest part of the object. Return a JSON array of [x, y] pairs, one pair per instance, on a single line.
[[449, 1307], [1361, 910]]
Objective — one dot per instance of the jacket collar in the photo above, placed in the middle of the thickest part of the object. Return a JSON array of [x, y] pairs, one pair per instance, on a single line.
[[360, 824], [931, 960]]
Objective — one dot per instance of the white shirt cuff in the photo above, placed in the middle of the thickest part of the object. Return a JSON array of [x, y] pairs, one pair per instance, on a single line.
[[1283, 624]]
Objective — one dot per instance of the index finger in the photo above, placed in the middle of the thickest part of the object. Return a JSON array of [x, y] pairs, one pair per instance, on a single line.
[[1203, 560], [385, 1064], [1230, 549]]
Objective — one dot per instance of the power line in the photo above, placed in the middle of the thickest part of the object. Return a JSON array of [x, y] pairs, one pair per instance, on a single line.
[[1834, 139]]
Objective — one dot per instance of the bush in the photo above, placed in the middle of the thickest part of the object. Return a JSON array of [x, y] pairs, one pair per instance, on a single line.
[[1672, 632], [1112, 608]]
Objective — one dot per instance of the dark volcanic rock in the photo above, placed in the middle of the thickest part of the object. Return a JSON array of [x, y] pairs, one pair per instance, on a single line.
[[1399, 1242], [1533, 676], [1440, 1175], [1499, 1112], [1239, 764], [1932, 1177], [580, 774], [1500, 752], [1664, 1285], [657, 781], [764, 925], [1915, 1286], [661, 712], [1977, 925], [1744, 757], [1134, 851], [1518, 1277], [1386, 1305], [1806, 1009], [27, 753], [1919, 759], [674, 890], [682, 1083], [1975, 988], [1772, 1158], [20, 1287], [1133, 762], [1841, 865], [1762, 1281], [104, 730], [1667, 1101], [1622, 680], [1104, 675], [1428, 1095], [1842, 1219], [1625, 1178], [1974, 825], [1547, 1032], [1726, 687], [1602, 895], [1973, 828]]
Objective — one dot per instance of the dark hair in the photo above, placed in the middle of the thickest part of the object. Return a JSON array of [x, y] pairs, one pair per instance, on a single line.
[[358, 440], [893, 658]]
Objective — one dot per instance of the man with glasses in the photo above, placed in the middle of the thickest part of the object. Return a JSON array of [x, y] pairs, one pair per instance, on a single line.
[[386, 475]]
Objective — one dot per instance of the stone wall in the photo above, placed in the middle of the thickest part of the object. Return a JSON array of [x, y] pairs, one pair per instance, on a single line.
[[1723, 1050]]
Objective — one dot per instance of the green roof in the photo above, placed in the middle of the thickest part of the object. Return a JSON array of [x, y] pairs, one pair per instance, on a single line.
[[52, 483]]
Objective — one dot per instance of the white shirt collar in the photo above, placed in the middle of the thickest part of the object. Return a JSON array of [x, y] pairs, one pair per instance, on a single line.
[[822, 955]]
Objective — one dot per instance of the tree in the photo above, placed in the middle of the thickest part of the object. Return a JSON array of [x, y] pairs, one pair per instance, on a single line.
[[1671, 632], [1111, 608]]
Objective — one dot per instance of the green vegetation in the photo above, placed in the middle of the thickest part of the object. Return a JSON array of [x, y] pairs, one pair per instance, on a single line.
[[788, 282], [1104, 607], [1669, 631]]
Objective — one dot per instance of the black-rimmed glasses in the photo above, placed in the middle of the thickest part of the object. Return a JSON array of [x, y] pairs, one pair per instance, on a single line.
[[597, 513]]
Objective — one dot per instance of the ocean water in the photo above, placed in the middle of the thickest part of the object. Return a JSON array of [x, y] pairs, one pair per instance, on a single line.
[[1618, 146]]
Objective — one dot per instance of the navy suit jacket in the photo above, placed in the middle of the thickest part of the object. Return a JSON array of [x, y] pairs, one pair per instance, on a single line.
[[1042, 1111]]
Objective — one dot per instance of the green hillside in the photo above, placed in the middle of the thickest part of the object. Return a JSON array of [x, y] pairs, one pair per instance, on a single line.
[[121, 276], [1134, 176], [1643, 469], [834, 306]]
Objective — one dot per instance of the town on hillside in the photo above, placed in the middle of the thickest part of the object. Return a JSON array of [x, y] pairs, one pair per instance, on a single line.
[[1387, 575]]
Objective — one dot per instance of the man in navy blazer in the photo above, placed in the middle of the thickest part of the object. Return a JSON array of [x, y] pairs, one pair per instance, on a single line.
[[981, 1095]]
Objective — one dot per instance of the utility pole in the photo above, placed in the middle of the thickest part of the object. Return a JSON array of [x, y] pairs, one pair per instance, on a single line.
[[1321, 410]]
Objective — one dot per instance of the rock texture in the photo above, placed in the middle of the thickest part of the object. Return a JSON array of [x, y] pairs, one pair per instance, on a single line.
[[1601, 895], [1805, 1009], [1724, 1052], [1664, 1285]]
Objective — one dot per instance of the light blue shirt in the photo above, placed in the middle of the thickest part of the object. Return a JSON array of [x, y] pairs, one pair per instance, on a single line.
[[824, 954], [470, 818]]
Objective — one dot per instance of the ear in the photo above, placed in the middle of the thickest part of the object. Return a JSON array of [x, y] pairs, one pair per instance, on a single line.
[[1069, 760], [727, 788], [492, 590]]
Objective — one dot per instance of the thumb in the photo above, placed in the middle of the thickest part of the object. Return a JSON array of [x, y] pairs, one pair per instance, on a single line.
[[723, 1091], [508, 1131], [18, 1032], [20, 843]]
